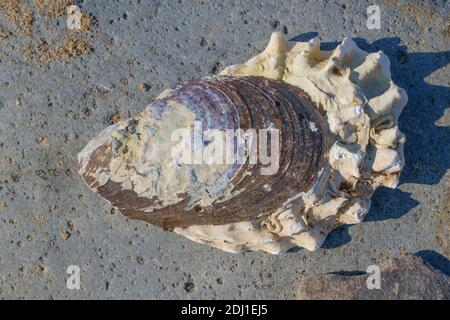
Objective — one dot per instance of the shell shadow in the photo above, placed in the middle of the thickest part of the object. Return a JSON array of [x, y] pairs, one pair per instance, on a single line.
[[304, 37], [436, 260], [426, 158], [426, 150], [348, 273], [386, 204], [390, 204], [337, 238]]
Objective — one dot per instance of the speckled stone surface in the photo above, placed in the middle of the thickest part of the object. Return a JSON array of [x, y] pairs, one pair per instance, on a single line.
[[405, 278], [49, 111]]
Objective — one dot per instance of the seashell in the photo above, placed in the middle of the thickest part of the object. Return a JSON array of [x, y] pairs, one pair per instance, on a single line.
[[126, 168], [336, 113]]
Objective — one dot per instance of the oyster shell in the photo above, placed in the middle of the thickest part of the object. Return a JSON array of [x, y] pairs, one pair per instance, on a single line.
[[337, 112], [133, 167]]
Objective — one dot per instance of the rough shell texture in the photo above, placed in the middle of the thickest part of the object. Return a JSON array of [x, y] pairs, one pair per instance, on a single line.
[[131, 164], [361, 104]]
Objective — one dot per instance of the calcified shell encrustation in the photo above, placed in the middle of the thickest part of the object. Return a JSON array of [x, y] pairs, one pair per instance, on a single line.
[[337, 113]]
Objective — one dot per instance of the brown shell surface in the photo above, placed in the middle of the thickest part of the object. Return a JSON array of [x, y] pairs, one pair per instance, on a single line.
[[256, 103]]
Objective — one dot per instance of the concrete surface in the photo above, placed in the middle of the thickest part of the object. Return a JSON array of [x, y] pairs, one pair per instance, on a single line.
[[48, 112]]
